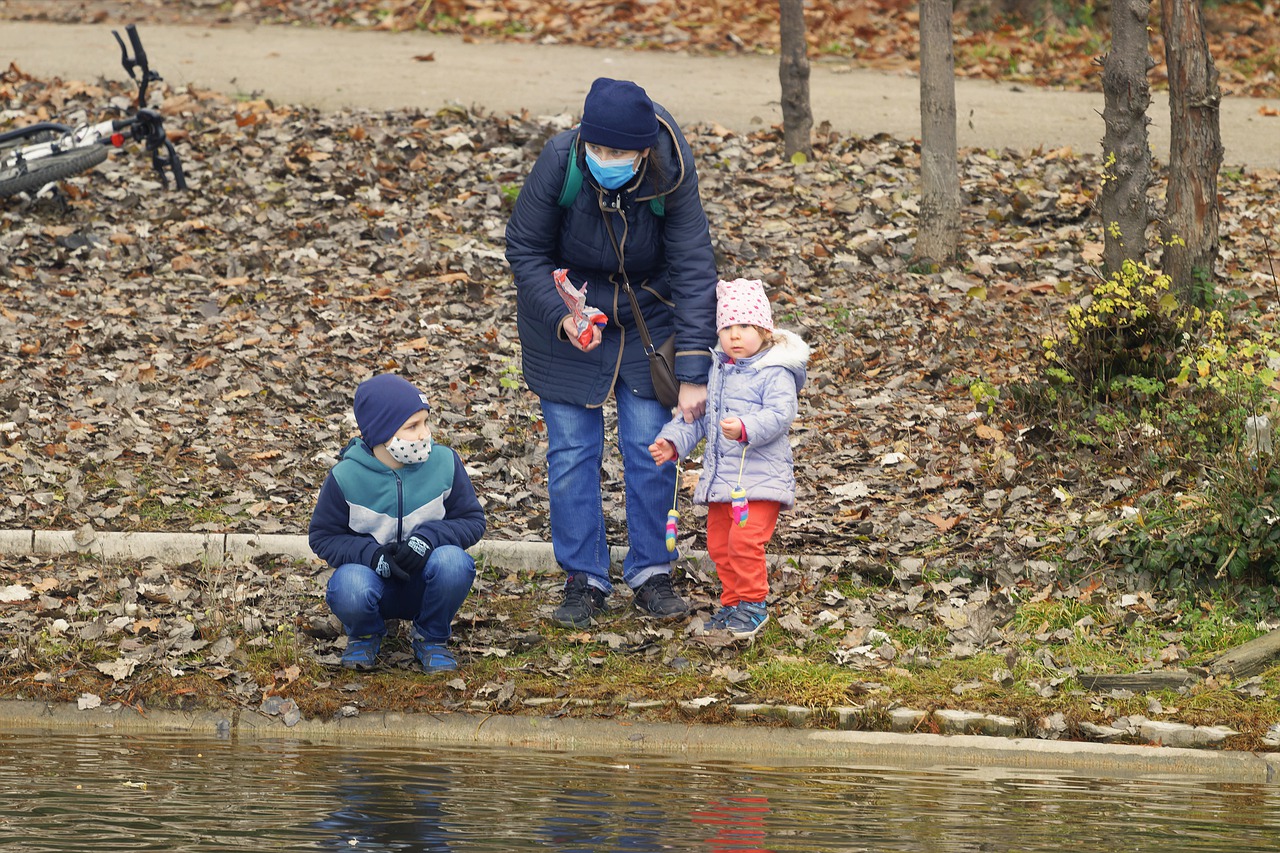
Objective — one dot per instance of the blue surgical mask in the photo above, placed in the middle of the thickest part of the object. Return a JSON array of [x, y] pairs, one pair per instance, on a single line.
[[611, 174]]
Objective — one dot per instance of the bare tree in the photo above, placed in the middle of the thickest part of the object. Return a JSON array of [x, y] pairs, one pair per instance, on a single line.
[[1195, 151], [1126, 147], [793, 72], [938, 233]]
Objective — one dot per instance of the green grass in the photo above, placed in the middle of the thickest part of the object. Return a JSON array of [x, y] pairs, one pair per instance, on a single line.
[[796, 681]]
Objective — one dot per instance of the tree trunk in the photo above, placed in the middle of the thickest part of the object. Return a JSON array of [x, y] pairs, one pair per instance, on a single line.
[[1195, 152], [1126, 148], [938, 233], [793, 72]]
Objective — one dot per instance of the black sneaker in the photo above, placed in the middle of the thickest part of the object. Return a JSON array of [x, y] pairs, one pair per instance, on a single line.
[[656, 598], [581, 602]]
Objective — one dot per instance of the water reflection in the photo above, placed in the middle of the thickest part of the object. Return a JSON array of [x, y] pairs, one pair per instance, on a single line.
[[64, 792], [380, 811], [594, 822], [738, 822]]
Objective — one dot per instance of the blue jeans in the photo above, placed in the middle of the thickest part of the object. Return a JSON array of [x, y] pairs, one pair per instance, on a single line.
[[575, 449], [362, 601]]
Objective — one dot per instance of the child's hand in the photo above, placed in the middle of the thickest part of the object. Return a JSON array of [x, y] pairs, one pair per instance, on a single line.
[[662, 451], [731, 428]]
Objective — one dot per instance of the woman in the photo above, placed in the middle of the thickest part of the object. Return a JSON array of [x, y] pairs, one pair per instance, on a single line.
[[635, 217]]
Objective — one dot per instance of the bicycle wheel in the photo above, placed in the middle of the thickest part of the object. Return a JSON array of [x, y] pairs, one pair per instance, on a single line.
[[35, 174]]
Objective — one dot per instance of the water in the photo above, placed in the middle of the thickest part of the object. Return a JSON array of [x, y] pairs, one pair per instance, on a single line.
[[109, 792]]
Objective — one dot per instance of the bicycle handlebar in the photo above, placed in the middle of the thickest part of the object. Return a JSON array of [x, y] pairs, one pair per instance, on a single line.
[[137, 61], [146, 125], [138, 52]]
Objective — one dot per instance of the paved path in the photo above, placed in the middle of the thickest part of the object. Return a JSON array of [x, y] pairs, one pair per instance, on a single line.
[[335, 68]]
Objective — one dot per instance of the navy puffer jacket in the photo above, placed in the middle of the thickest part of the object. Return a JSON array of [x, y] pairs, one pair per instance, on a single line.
[[668, 260]]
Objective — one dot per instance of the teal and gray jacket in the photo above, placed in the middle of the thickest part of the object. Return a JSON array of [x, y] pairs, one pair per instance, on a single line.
[[363, 505]]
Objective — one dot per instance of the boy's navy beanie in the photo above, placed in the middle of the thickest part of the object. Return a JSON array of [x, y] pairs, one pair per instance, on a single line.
[[383, 404], [618, 114]]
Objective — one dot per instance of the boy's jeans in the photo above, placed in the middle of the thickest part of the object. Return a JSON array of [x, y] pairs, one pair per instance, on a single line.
[[362, 601], [575, 448]]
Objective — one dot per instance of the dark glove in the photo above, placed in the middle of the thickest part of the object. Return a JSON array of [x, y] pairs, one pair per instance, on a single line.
[[385, 564], [413, 554]]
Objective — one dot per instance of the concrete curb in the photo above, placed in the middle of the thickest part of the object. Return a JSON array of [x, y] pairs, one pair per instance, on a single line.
[[211, 548], [630, 736]]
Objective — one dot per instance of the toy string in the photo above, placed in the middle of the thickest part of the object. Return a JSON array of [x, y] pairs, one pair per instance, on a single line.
[[741, 464]]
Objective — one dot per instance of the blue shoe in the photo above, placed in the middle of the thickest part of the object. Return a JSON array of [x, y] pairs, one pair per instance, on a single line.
[[746, 620], [717, 620], [434, 657], [362, 652]]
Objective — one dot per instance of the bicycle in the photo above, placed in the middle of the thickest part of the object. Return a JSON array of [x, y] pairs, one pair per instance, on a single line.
[[44, 153]]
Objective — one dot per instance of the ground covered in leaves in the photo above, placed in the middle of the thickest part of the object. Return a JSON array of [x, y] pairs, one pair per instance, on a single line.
[[186, 362]]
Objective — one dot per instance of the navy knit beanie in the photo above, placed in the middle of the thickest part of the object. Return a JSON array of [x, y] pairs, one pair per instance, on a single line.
[[618, 114], [383, 404]]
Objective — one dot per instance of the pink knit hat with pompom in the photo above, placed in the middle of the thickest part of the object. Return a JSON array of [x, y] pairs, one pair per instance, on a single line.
[[742, 302]]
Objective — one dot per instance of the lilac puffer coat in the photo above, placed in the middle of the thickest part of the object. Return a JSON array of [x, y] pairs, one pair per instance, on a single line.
[[764, 392]]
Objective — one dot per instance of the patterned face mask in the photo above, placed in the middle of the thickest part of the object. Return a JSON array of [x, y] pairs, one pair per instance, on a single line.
[[409, 452]]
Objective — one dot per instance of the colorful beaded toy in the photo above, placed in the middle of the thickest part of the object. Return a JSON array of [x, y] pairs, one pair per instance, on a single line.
[[672, 515], [739, 496]]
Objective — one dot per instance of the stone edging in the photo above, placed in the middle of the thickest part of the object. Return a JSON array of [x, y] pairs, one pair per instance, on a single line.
[[173, 548]]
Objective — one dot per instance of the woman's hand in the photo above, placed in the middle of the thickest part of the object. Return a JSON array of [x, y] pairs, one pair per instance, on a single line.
[[693, 401], [571, 332]]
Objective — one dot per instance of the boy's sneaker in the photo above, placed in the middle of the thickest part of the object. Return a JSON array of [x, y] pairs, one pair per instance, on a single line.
[[746, 620], [362, 652], [434, 657], [582, 601], [656, 598]]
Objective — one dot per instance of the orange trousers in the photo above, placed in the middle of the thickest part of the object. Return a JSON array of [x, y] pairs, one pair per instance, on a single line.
[[738, 552]]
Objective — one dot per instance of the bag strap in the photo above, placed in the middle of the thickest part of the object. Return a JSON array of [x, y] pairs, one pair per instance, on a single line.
[[625, 284]]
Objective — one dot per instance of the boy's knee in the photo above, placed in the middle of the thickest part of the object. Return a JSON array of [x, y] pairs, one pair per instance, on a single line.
[[349, 583], [453, 562]]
